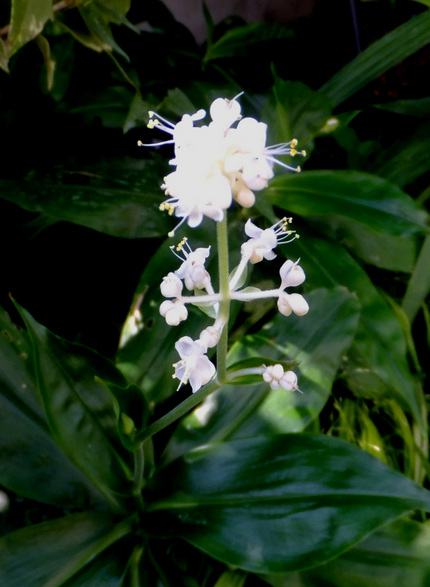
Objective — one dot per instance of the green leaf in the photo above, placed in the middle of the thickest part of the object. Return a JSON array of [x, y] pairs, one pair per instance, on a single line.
[[120, 199], [52, 553], [32, 464], [131, 412], [419, 283], [45, 49], [416, 108], [330, 324], [4, 59], [296, 111], [405, 160], [377, 366], [79, 410], [98, 17], [237, 41], [349, 196], [241, 411], [380, 56], [393, 556], [279, 503], [28, 17]]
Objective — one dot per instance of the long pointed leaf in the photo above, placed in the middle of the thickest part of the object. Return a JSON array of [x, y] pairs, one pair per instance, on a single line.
[[380, 56], [279, 503]]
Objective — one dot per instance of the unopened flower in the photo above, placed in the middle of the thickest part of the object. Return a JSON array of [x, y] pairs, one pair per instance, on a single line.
[[291, 274], [292, 303], [171, 286], [192, 269], [209, 337], [174, 312], [262, 242], [276, 377], [194, 365]]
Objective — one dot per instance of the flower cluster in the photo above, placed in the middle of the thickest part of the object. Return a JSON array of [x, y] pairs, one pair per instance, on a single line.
[[217, 162], [194, 365]]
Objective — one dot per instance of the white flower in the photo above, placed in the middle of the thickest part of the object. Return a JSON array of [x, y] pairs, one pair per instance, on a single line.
[[289, 303], [171, 286], [291, 274], [194, 365], [262, 242], [276, 377], [251, 156], [173, 311], [192, 269], [224, 113], [194, 195], [216, 162]]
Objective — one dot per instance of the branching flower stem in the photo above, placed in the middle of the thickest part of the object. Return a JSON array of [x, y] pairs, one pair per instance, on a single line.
[[224, 308], [180, 410]]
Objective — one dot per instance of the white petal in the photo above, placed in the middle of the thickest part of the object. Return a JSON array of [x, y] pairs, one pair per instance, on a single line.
[[298, 304], [289, 381], [252, 230]]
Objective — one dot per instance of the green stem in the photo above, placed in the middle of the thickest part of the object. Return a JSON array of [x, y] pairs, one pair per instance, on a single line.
[[138, 476], [224, 289], [180, 410]]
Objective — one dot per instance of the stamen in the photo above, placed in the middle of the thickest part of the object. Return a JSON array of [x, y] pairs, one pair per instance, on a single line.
[[172, 232]]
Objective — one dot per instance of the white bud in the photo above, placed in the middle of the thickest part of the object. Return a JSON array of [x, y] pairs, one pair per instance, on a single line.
[[291, 274], [245, 197], [174, 312], [209, 337], [171, 286], [288, 303], [276, 377]]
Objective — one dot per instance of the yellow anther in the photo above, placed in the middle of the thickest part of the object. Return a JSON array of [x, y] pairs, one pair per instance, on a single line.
[[298, 169], [170, 210], [293, 152], [181, 244], [162, 207], [171, 234], [294, 143], [304, 153], [151, 113], [139, 143], [151, 124]]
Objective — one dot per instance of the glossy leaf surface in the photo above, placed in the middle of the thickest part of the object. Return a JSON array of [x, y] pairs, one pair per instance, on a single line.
[[279, 503], [79, 410], [53, 553], [380, 56], [393, 556], [377, 365], [359, 197], [28, 17], [32, 464], [121, 204]]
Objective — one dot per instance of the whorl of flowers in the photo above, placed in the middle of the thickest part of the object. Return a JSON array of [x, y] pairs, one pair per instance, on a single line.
[[215, 163]]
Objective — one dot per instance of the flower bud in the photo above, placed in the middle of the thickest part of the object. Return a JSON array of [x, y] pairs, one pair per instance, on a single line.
[[209, 337], [291, 274], [174, 312], [288, 303], [276, 377], [171, 286]]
